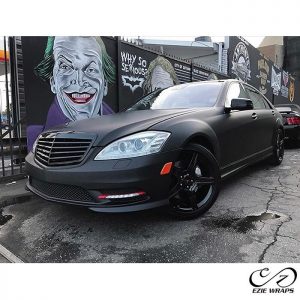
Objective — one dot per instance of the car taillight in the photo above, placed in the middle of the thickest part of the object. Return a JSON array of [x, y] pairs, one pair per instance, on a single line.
[[293, 120]]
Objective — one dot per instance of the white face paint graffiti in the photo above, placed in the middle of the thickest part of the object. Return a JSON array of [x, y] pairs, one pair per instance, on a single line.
[[78, 79], [160, 79]]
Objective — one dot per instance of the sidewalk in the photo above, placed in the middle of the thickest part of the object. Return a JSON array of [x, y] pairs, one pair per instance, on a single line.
[[13, 192], [10, 193], [3, 259]]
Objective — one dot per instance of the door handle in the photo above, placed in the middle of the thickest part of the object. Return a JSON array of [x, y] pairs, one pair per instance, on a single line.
[[254, 116], [273, 112]]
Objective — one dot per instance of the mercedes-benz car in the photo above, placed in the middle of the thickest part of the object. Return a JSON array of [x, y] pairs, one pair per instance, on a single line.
[[171, 148]]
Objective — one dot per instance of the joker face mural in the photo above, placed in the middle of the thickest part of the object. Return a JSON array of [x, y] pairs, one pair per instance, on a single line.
[[78, 80], [160, 74], [160, 79], [79, 71]]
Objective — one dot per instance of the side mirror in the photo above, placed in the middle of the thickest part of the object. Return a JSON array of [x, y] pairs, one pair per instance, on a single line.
[[240, 104]]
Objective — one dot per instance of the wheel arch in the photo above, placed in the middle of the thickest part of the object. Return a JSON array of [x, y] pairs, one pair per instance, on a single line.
[[192, 130], [205, 141]]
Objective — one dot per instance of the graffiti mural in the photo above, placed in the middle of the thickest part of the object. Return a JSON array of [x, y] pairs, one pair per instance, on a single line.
[[284, 85], [160, 74], [241, 62], [264, 71], [73, 78], [292, 89], [143, 71], [133, 70], [276, 81], [248, 64], [78, 71]]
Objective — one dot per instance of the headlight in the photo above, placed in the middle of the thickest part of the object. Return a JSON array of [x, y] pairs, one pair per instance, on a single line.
[[134, 145]]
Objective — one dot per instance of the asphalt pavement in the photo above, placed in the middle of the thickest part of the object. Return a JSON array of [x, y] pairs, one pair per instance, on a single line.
[[256, 218]]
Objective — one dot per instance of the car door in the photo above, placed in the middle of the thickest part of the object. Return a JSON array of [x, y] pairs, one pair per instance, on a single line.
[[264, 117], [236, 133]]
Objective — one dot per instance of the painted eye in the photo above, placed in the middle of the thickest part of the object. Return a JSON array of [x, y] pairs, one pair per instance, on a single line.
[[64, 67], [91, 70]]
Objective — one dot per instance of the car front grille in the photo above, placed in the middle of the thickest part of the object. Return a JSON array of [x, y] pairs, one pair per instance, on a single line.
[[55, 151], [62, 191]]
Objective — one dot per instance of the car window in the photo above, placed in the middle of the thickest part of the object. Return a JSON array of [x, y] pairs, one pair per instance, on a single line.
[[202, 94], [235, 90], [257, 99], [268, 105]]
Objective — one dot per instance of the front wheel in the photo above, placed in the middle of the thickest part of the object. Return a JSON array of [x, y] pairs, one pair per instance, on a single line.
[[196, 182], [278, 148]]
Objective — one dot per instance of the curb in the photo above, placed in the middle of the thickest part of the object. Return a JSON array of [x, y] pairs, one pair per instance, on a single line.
[[11, 200], [9, 255]]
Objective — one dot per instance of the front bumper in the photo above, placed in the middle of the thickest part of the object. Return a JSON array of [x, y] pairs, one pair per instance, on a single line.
[[84, 183]]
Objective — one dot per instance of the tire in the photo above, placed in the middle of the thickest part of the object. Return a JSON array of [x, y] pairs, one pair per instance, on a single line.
[[196, 182], [278, 148]]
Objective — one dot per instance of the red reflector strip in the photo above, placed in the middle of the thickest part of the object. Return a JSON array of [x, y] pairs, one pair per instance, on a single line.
[[293, 120], [120, 196], [166, 168]]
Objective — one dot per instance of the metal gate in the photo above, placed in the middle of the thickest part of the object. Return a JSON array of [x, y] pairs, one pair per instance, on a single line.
[[12, 113]]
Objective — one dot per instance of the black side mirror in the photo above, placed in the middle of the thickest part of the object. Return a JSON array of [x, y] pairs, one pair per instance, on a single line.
[[240, 104]]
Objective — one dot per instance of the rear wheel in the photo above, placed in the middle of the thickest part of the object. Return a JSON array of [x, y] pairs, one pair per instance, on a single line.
[[196, 182], [278, 148]]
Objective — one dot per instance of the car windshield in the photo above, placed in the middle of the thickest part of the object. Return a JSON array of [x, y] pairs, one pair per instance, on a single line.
[[202, 94]]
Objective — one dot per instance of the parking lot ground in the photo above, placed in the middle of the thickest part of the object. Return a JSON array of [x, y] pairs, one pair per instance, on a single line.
[[256, 218]]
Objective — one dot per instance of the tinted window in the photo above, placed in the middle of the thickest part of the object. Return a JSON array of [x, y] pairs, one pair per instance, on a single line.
[[182, 96], [267, 104], [235, 90], [257, 99]]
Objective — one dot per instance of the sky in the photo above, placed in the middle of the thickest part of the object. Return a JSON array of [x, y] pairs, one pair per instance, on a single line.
[[254, 40]]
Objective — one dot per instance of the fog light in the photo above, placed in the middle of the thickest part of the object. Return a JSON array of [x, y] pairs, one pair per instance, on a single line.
[[121, 196]]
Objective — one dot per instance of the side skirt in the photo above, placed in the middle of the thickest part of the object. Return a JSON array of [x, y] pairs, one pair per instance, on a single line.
[[235, 167]]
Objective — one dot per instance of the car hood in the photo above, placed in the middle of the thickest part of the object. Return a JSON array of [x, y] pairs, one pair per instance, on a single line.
[[111, 127]]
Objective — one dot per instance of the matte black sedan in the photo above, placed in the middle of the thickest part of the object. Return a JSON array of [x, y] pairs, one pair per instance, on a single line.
[[171, 148], [291, 121]]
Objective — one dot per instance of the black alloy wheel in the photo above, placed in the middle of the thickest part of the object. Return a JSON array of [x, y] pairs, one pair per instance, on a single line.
[[196, 182], [278, 148]]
